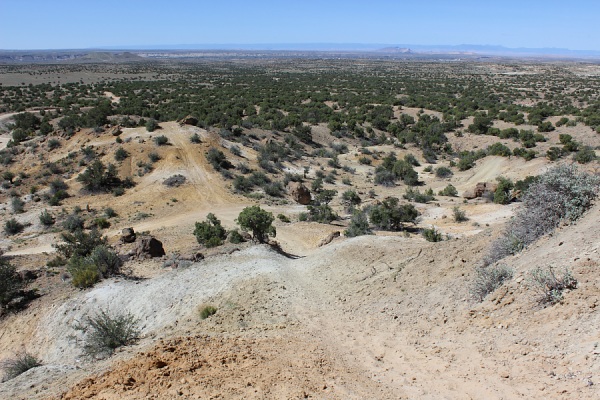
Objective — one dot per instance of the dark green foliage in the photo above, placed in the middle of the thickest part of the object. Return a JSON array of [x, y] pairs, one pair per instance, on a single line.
[[459, 215], [53, 144], [84, 273], [390, 215], [411, 159], [18, 205], [8, 176], [10, 282], [79, 243], [20, 363], [12, 227], [480, 124], [195, 138], [106, 261], [151, 125], [283, 218], [350, 199], [502, 193], [585, 155], [449, 190], [258, 221], [443, 172], [161, 140], [235, 237], [210, 233], [384, 177], [554, 153], [321, 213], [359, 225], [46, 218], [418, 197], [73, 222], [106, 333], [545, 126], [207, 311], [432, 234], [97, 177], [121, 154], [498, 149], [101, 223], [217, 159]]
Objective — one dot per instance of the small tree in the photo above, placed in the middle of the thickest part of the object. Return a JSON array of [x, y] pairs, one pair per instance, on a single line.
[[210, 233], [258, 221], [10, 282]]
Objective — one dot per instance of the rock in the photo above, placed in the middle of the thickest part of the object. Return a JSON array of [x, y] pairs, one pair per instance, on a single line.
[[175, 180], [329, 238], [115, 130], [149, 246], [482, 189], [128, 235], [189, 120], [299, 193]]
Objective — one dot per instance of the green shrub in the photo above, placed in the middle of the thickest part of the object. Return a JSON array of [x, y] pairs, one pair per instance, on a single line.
[[53, 144], [10, 282], [502, 193], [551, 285], [12, 227], [107, 262], [161, 140], [449, 190], [283, 218], [83, 271], [195, 138], [46, 218], [207, 311], [490, 278], [359, 225], [20, 363], [235, 237], [121, 154], [106, 333], [258, 221], [390, 215], [98, 177], [459, 215], [210, 233], [585, 155], [18, 205], [73, 222], [151, 125], [432, 234], [153, 156], [110, 213], [79, 243], [321, 213], [443, 172], [418, 197]]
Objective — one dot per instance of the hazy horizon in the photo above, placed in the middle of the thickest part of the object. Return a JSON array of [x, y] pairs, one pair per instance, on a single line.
[[69, 24]]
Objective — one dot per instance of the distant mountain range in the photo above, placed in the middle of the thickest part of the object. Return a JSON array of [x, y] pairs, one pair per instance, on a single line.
[[146, 52], [379, 47]]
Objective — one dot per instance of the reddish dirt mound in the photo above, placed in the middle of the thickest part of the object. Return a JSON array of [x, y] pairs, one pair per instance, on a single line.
[[209, 367]]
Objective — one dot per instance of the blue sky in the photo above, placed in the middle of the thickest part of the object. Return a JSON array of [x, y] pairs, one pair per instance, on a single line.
[[60, 24]]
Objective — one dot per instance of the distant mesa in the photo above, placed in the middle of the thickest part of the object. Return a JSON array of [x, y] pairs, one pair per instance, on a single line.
[[396, 50]]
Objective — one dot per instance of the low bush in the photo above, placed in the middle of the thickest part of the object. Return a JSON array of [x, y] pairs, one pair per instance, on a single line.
[[449, 190], [459, 215], [551, 284], [84, 273], [443, 172], [106, 333], [210, 233], [121, 154], [390, 215], [161, 140], [46, 218], [207, 311], [10, 282], [12, 227], [18, 205], [195, 138], [359, 225], [432, 234], [236, 237], [561, 194], [20, 363], [489, 278], [73, 222], [418, 197]]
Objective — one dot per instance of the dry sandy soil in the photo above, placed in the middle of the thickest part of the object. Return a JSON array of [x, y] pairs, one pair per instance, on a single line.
[[377, 317]]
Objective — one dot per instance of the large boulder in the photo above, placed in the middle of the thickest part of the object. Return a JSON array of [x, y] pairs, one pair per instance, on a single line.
[[115, 130], [481, 189], [299, 193], [189, 120], [128, 235], [149, 247]]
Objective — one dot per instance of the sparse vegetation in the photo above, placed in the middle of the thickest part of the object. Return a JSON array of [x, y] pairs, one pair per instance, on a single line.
[[552, 284], [104, 333], [19, 364], [12, 227], [489, 278], [431, 234], [207, 311]]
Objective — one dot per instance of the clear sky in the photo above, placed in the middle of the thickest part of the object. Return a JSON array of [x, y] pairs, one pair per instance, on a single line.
[[60, 24]]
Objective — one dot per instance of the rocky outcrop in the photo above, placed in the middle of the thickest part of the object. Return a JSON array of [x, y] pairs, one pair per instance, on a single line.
[[128, 235], [482, 189], [149, 247], [299, 193], [115, 130], [189, 120], [329, 238]]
